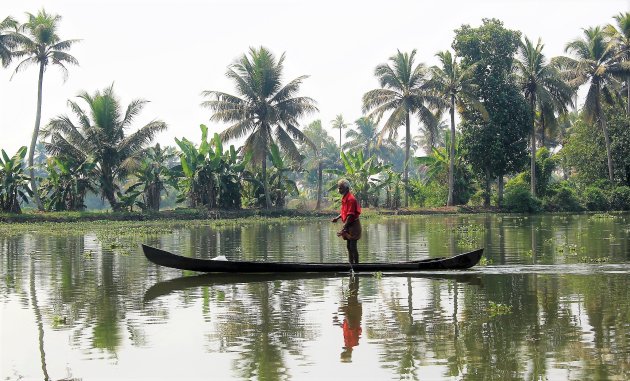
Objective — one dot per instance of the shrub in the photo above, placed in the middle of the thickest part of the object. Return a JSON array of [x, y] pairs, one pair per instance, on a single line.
[[620, 198], [518, 198], [563, 199], [595, 198]]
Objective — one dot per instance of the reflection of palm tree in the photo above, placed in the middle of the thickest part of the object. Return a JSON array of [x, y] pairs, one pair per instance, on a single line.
[[38, 319]]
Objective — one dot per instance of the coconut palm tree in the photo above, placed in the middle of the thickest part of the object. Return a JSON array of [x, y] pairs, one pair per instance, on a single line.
[[454, 84], [544, 89], [403, 92], [620, 39], [8, 40], [101, 135], [595, 66], [40, 44], [264, 110], [364, 138], [340, 124], [322, 157]]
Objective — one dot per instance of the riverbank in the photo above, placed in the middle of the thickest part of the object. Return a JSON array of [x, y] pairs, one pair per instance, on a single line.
[[205, 214]]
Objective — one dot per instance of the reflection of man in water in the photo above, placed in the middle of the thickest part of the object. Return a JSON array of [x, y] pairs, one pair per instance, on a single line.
[[351, 325]]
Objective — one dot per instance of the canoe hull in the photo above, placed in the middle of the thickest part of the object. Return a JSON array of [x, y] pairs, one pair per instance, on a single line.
[[167, 259]]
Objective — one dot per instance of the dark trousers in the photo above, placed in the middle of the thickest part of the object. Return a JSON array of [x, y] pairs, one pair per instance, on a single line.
[[353, 252]]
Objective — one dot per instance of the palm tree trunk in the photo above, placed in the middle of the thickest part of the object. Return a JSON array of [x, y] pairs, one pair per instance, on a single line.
[[451, 162], [319, 186], [108, 188], [406, 166], [31, 151], [628, 89], [602, 122], [266, 183], [339, 141], [542, 130], [500, 192], [486, 196], [532, 104]]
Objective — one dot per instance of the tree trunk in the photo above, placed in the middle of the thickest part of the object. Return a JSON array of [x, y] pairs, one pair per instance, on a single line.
[[319, 186], [265, 182], [500, 192], [532, 103], [451, 161], [31, 151], [602, 122], [340, 141], [406, 166], [542, 130], [486, 195], [108, 188], [628, 90]]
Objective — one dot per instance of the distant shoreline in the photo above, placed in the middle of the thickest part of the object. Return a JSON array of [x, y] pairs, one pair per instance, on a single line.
[[214, 214]]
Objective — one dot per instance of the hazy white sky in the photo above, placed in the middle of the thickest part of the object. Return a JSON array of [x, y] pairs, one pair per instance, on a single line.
[[169, 51]]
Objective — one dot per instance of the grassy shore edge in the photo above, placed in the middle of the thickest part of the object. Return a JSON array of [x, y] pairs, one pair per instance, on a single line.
[[204, 214]]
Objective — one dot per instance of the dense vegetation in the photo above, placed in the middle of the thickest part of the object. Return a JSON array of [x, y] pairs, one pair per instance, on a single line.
[[520, 144]]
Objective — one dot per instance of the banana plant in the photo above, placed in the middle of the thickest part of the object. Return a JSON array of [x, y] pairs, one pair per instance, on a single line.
[[231, 174], [208, 175], [367, 176], [197, 181], [435, 168], [67, 183], [14, 183], [280, 185]]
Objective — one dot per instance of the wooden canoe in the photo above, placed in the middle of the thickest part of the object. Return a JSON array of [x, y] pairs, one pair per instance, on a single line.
[[167, 259]]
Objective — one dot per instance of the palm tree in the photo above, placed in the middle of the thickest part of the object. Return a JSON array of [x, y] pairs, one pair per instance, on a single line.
[[364, 138], [543, 88], [340, 124], [264, 108], [620, 38], [100, 134], [8, 40], [153, 174], [321, 157], [403, 92], [42, 46], [454, 85], [596, 66]]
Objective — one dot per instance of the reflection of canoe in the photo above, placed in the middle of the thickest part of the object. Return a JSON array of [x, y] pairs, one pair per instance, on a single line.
[[187, 282], [164, 258]]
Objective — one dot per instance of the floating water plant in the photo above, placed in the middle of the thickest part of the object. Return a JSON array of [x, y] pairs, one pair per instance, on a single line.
[[496, 309]]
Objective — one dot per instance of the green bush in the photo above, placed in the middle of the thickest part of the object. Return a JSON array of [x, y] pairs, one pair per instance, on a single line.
[[432, 194], [595, 199], [518, 198], [620, 198], [562, 199]]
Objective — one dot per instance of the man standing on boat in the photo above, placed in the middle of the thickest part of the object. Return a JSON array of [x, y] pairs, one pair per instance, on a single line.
[[350, 211]]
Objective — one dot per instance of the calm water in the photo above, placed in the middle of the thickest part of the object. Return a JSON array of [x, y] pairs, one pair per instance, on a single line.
[[550, 301]]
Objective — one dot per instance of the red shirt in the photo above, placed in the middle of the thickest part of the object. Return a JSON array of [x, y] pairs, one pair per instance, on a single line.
[[349, 205]]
